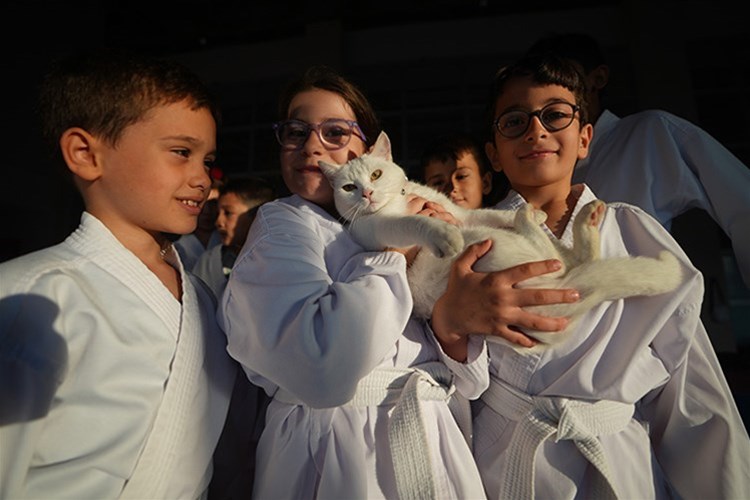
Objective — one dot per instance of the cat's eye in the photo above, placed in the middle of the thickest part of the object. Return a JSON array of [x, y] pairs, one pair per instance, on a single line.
[[376, 175], [348, 187]]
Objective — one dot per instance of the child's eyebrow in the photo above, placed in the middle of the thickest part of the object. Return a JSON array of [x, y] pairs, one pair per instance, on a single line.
[[185, 138], [189, 139], [551, 100]]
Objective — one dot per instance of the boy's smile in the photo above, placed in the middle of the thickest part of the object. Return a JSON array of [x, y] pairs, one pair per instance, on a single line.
[[537, 154]]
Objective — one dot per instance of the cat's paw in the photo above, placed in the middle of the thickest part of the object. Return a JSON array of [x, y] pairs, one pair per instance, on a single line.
[[448, 241], [592, 213], [531, 214], [539, 216]]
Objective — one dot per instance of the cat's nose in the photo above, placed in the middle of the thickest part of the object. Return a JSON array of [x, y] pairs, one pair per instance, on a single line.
[[367, 193]]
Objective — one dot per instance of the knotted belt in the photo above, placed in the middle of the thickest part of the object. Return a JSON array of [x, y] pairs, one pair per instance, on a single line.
[[404, 388], [541, 417]]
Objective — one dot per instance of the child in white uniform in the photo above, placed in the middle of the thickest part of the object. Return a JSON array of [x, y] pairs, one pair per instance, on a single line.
[[115, 376], [664, 423], [238, 200]]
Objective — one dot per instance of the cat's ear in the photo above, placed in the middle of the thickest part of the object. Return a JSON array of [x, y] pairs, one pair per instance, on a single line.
[[328, 169], [382, 147]]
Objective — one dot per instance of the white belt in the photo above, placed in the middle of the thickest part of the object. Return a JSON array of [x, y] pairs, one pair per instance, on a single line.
[[539, 418], [410, 449]]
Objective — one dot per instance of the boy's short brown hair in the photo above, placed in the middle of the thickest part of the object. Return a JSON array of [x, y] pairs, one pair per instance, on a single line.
[[106, 90], [251, 190], [452, 147]]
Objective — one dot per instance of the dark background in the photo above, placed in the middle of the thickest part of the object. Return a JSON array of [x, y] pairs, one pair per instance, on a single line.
[[425, 66]]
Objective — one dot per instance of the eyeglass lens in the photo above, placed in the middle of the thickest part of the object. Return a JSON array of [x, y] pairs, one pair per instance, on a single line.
[[555, 116], [334, 134]]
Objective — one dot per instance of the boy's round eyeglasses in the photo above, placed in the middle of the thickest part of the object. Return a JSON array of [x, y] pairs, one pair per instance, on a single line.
[[333, 134], [553, 117]]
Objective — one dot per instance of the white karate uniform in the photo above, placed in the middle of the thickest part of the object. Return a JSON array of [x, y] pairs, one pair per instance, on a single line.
[[308, 314], [651, 357], [667, 165], [190, 247], [210, 268], [110, 388]]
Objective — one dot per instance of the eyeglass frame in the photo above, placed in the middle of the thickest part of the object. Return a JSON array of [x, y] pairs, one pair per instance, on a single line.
[[356, 130], [538, 114]]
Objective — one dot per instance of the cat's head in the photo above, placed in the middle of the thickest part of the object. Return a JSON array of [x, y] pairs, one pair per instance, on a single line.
[[368, 184]]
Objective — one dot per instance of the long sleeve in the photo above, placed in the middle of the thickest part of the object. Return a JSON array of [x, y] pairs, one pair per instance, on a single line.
[[307, 311], [686, 438], [667, 166], [697, 433]]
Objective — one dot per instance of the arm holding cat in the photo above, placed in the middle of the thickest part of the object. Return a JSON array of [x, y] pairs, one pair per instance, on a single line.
[[487, 303]]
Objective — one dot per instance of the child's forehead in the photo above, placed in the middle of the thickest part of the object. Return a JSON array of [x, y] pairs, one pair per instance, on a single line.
[[525, 93], [466, 159], [231, 198], [441, 164]]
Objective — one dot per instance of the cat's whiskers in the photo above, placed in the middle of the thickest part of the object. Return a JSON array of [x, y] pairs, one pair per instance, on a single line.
[[351, 214]]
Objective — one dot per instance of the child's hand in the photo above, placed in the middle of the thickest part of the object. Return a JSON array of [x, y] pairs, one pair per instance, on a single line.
[[420, 206], [489, 303]]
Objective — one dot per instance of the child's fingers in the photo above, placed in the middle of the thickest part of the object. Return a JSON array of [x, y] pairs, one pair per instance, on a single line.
[[528, 270], [544, 296], [531, 321], [472, 254], [512, 334]]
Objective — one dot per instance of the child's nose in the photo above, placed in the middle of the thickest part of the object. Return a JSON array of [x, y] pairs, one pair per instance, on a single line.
[[313, 143], [536, 128]]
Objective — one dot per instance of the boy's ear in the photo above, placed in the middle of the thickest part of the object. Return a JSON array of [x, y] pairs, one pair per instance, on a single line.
[[598, 78], [584, 140], [491, 152], [486, 183], [78, 149]]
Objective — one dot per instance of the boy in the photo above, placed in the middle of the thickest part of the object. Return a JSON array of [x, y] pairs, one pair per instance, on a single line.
[[633, 404], [456, 166], [654, 159], [236, 202], [116, 378]]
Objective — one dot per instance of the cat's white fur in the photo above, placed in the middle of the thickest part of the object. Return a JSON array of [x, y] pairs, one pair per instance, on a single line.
[[371, 193]]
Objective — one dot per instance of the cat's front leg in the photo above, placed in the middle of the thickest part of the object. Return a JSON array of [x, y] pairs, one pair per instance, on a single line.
[[528, 223], [439, 237]]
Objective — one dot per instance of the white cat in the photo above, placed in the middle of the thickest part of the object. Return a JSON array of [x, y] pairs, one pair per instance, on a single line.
[[371, 193]]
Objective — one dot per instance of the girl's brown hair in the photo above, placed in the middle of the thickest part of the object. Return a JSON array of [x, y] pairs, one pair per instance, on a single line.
[[325, 78]]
